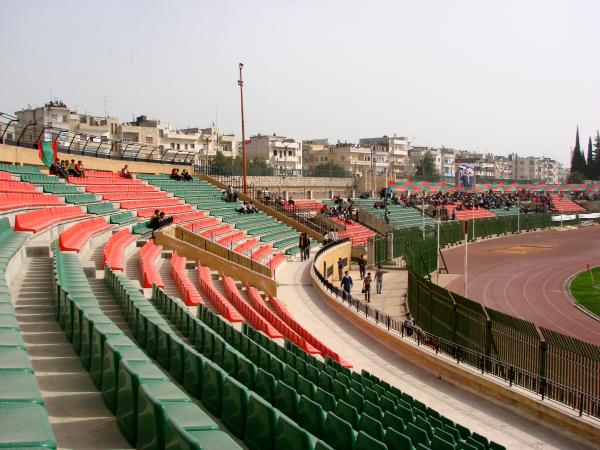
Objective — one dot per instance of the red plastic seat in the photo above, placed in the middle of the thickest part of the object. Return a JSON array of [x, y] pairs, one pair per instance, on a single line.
[[255, 299], [189, 216], [114, 250], [186, 288], [161, 203], [148, 255], [564, 205], [276, 260], [250, 314], [5, 176], [73, 238], [246, 246], [101, 188], [202, 224], [261, 252], [148, 212], [232, 238], [217, 231], [103, 180], [101, 174], [220, 303], [284, 314], [41, 219], [17, 200], [133, 195], [16, 186]]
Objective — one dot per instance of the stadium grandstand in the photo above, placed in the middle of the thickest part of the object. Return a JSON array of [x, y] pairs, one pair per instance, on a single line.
[[206, 332]]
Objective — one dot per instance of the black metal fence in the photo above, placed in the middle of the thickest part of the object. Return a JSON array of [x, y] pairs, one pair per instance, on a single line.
[[553, 366]]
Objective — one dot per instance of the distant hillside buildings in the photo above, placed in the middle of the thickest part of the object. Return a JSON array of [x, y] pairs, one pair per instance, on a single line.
[[393, 157]]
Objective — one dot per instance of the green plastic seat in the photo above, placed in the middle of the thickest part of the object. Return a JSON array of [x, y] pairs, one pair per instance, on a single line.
[[475, 443], [183, 417], [202, 440], [312, 373], [19, 386], [371, 395], [347, 412], [338, 433], [325, 399], [289, 436], [25, 425], [373, 410], [355, 399], [246, 372], [371, 426], [339, 390], [132, 374], [14, 358], [322, 445], [261, 420], [437, 443], [424, 425], [234, 406], [311, 416], [366, 442], [495, 446], [481, 439], [386, 404], [9, 337], [116, 349], [306, 387], [265, 385], [212, 387], [193, 368], [100, 333], [290, 376], [417, 435], [230, 361], [286, 400], [404, 413], [325, 381], [154, 401], [396, 440], [392, 421]]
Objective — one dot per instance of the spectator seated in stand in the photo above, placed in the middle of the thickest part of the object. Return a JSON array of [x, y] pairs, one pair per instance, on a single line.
[[79, 169], [175, 174], [186, 175], [56, 168], [291, 201], [125, 172]]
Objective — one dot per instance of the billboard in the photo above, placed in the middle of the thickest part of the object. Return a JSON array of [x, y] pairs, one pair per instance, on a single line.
[[466, 175]]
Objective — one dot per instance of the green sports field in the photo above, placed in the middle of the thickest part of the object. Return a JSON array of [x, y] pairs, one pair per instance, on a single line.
[[586, 293]]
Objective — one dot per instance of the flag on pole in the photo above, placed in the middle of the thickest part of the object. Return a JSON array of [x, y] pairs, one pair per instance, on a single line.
[[47, 151]]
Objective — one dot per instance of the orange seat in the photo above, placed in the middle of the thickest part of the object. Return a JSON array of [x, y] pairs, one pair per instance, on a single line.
[[73, 238], [148, 255], [101, 188], [160, 203], [186, 289], [41, 219], [276, 260], [104, 180], [134, 195], [148, 212], [189, 216], [220, 303], [16, 186], [18, 200], [114, 250], [5, 176]]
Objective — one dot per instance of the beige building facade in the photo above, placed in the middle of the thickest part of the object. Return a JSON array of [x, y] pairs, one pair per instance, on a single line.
[[283, 154]]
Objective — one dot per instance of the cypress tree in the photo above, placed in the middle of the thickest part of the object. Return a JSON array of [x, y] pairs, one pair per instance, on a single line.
[[597, 156], [577, 159], [591, 163]]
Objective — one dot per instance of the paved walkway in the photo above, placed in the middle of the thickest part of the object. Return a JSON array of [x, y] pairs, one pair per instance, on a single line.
[[489, 419]]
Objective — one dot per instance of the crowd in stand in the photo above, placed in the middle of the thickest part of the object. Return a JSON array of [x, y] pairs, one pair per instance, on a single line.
[[247, 208], [184, 176], [66, 168], [159, 220]]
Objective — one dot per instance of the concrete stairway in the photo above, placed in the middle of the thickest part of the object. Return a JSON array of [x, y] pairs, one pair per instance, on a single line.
[[77, 414]]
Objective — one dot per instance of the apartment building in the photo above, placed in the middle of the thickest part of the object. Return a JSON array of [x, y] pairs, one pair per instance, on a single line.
[[444, 160], [532, 168], [484, 165], [396, 148], [281, 153]]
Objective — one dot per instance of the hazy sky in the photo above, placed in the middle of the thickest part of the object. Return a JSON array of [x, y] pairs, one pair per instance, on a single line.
[[493, 76]]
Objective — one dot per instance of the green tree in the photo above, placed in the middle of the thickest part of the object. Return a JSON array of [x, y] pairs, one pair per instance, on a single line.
[[591, 163], [575, 177], [329, 170], [259, 167], [596, 157], [578, 163], [426, 168], [224, 165]]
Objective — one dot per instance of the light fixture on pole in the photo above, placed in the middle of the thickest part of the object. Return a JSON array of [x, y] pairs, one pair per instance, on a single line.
[[241, 85]]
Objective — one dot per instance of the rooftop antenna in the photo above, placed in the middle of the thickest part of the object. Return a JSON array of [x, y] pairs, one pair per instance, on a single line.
[[216, 116], [105, 106]]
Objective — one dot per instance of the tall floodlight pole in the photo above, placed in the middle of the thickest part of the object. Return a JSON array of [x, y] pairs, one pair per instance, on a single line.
[[241, 85]]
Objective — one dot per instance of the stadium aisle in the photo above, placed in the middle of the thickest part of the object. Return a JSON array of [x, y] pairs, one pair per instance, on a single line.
[[485, 417]]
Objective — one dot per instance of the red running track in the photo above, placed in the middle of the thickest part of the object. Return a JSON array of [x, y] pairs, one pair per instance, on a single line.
[[529, 285]]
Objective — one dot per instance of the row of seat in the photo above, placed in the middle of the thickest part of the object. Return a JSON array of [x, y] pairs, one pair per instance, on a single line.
[[5, 176], [247, 310], [231, 385], [148, 255], [220, 303], [101, 208], [16, 186], [74, 237], [18, 200], [86, 181], [113, 254], [156, 204], [18, 170], [134, 195], [259, 304], [109, 187], [23, 418], [39, 220], [184, 285], [168, 210], [151, 411], [285, 315]]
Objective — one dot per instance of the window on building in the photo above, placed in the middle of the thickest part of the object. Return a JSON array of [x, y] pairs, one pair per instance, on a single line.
[[185, 146], [289, 153], [161, 132], [192, 146], [149, 140], [178, 146], [172, 144], [274, 152]]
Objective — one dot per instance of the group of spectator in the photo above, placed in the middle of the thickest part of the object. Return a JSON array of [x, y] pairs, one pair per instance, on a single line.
[[66, 168], [366, 277], [247, 208], [304, 244], [185, 175], [159, 220], [229, 194]]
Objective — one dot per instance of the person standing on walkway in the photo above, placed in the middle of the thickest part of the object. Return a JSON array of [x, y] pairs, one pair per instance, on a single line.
[[306, 247], [367, 287], [340, 265], [379, 279], [346, 284], [362, 266]]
